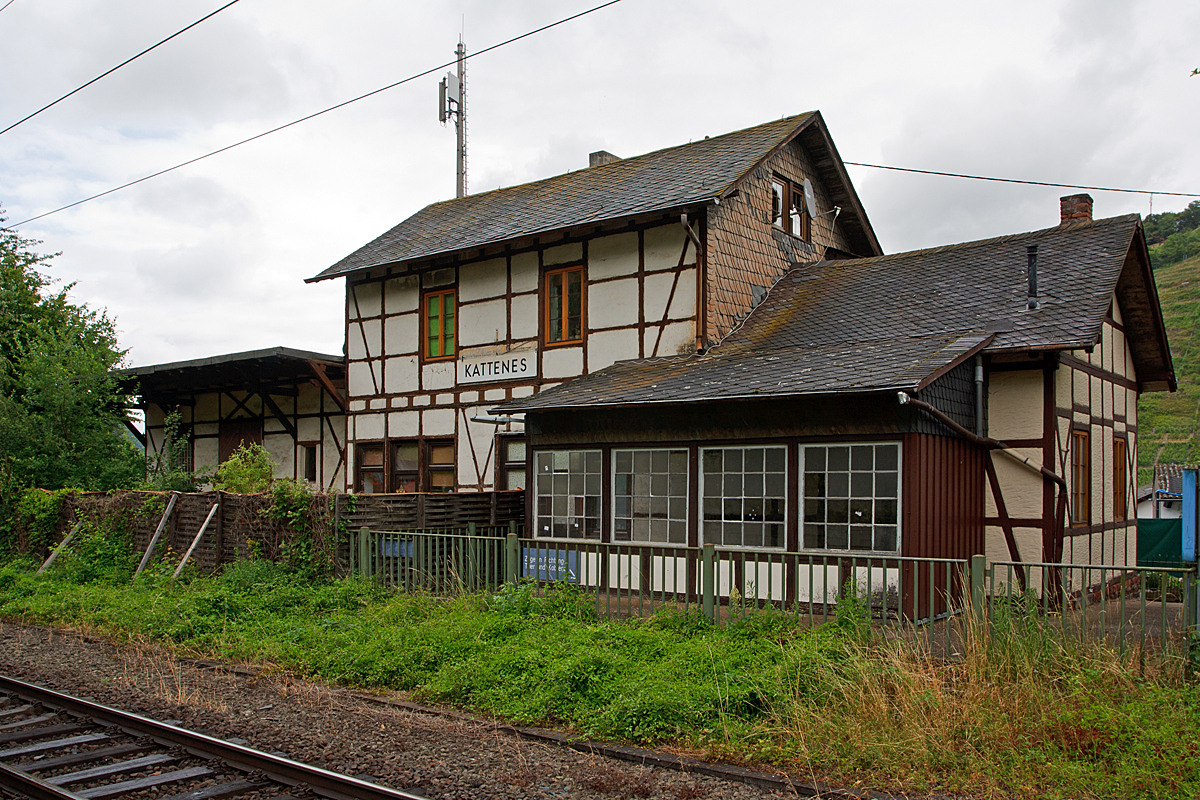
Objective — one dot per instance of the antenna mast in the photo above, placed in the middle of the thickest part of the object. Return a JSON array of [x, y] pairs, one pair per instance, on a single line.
[[452, 101]]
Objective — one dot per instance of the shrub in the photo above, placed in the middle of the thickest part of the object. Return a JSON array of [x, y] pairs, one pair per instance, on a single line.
[[249, 470]]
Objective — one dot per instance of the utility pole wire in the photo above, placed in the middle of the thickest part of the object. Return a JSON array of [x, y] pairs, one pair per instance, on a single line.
[[6, 5], [318, 113], [1014, 180], [114, 69]]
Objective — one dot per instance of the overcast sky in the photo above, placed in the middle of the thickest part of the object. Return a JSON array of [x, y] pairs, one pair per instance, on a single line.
[[211, 258]]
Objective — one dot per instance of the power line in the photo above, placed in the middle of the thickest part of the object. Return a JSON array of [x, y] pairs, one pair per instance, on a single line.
[[1014, 180], [6, 5], [114, 69], [319, 113]]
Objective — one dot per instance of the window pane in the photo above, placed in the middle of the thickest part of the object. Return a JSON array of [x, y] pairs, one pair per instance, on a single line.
[[441, 453], [514, 450], [745, 487], [569, 504], [406, 457], [371, 456], [554, 308], [448, 324], [858, 485], [650, 490]]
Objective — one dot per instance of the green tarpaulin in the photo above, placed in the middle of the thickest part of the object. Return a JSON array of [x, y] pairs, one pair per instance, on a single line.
[[1160, 543]]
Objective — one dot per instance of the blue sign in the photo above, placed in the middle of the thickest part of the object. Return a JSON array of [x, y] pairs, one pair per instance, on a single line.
[[1189, 515], [396, 548], [548, 564]]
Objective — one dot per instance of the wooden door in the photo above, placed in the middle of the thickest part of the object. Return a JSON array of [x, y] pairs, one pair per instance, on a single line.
[[236, 431]]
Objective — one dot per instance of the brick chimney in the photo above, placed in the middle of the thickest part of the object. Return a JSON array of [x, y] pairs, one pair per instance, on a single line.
[[601, 157], [1075, 208]]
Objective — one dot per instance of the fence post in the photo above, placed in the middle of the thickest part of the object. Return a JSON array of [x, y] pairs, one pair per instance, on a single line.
[[512, 556], [364, 552], [470, 529], [708, 583], [978, 571]]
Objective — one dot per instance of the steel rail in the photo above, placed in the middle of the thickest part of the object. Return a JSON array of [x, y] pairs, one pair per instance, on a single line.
[[14, 780], [284, 770]]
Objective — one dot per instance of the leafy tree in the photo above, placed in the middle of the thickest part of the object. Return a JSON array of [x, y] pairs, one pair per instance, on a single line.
[[248, 470], [61, 410]]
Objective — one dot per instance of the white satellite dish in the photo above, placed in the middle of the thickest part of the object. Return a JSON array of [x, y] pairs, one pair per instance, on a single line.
[[810, 198]]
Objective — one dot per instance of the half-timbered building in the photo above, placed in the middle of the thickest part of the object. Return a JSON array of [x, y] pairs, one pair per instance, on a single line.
[[289, 401], [978, 398], [501, 295]]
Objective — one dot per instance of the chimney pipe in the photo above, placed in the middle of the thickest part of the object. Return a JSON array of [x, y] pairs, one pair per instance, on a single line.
[[1031, 274], [1075, 208]]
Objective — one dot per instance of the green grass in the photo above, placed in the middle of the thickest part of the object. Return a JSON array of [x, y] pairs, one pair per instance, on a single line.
[[1174, 416], [1026, 717]]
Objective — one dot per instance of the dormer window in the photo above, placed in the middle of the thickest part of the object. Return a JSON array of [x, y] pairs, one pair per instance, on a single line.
[[788, 210]]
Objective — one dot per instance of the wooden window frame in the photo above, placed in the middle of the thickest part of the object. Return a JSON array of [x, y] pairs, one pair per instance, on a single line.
[[1120, 478], [359, 448], [395, 473], [790, 196], [1081, 477], [302, 447], [546, 277], [428, 468], [504, 466], [425, 300]]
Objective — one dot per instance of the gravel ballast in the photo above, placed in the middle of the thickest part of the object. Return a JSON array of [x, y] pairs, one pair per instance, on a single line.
[[436, 755]]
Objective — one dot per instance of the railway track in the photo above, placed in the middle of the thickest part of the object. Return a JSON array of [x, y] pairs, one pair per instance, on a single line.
[[57, 747]]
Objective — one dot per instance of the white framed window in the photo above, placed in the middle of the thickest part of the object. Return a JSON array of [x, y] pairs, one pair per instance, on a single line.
[[851, 497], [650, 496], [568, 494], [744, 492]]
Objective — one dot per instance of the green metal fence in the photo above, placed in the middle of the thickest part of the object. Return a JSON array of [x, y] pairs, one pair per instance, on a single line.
[[932, 598]]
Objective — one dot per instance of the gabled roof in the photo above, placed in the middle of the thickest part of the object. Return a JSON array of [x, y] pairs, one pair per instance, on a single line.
[[896, 321], [678, 177]]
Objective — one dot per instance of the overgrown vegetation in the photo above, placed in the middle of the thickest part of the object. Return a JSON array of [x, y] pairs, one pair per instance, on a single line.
[[61, 409], [1173, 236], [167, 470], [1167, 422], [248, 470], [1024, 713]]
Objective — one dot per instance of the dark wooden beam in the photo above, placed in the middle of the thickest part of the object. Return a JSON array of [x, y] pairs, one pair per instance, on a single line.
[[319, 370], [279, 415], [141, 437]]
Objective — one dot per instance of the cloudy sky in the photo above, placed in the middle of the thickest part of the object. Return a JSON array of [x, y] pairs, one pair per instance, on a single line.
[[211, 258]]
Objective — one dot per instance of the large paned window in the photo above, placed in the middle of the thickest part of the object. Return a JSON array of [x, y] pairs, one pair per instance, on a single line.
[[564, 305], [1120, 480], [745, 494], [439, 324], [568, 493], [1081, 478], [852, 497], [650, 496]]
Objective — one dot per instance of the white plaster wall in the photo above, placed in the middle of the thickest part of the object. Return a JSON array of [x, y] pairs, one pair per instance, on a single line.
[[562, 362], [608, 347], [524, 273], [401, 334], [438, 376], [1020, 487], [364, 339], [1015, 405], [677, 338], [663, 246], [525, 317], [358, 379], [482, 280], [370, 300], [612, 256], [438, 421], [206, 428], [483, 323], [308, 430], [282, 448], [658, 290], [562, 254], [404, 424], [400, 374], [684, 304], [613, 304], [308, 401], [368, 426], [481, 441], [402, 294], [205, 453]]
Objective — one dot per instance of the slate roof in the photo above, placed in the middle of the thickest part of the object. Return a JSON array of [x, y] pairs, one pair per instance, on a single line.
[[896, 364], [892, 321], [677, 177]]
